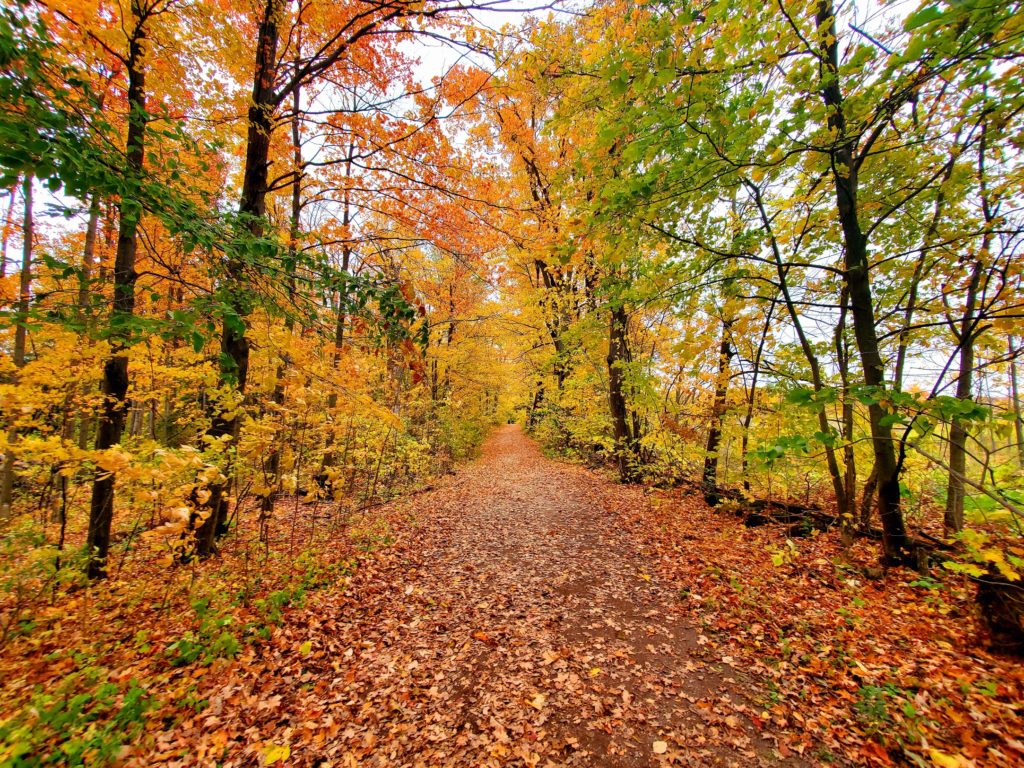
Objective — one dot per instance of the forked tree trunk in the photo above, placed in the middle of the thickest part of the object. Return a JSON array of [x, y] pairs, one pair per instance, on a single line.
[[953, 519]]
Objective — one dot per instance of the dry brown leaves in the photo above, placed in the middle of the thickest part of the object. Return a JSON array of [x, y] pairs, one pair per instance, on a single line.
[[514, 623], [532, 613], [858, 670]]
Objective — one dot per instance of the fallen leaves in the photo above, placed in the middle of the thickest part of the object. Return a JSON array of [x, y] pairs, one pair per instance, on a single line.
[[942, 760], [537, 701], [876, 671], [481, 638], [275, 753]]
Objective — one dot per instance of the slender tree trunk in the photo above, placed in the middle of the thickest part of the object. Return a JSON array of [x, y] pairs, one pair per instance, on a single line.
[[921, 267], [965, 334], [847, 512], [84, 301], [8, 225], [252, 207], [273, 464], [1018, 422], [835, 474], [20, 335], [111, 422], [25, 282], [89, 255], [554, 319], [858, 280], [618, 357], [535, 404], [330, 456], [748, 416], [868, 501], [710, 476], [953, 520]]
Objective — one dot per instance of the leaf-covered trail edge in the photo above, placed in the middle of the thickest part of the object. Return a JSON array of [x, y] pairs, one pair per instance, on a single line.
[[516, 621]]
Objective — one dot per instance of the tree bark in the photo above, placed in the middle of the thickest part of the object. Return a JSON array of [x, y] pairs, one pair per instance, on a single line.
[[25, 276], [20, 335], [965, 334], [710, 476], [844, 165], [252, 207], [88, 255], [618, 357], [111, 421], [953, 519], [1018, 422]]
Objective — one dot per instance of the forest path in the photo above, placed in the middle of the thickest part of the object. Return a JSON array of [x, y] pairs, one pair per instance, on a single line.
[[519, 624]]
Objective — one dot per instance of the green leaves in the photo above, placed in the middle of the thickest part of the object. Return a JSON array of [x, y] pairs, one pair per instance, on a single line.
[[920, 18], [769, 453], [618, 85], [808, 398]]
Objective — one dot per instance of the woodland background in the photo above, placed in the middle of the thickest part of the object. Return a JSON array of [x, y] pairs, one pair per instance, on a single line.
[[266, 265]]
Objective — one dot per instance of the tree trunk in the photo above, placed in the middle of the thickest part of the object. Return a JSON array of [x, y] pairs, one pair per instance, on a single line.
[[953, 519], [273, 463], [20, 335], [748, 416], [84, 301], [710, 476], [25, 281], [252, 207], [330, 456], [848, 508], [88, 255], [856, 275], [1018, 422], [111, 421], [837, 477], [868, 500], [618, 357], [537, 401], [8, 225]]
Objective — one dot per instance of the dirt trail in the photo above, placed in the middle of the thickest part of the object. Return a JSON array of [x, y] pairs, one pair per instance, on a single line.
[[520, 624]]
